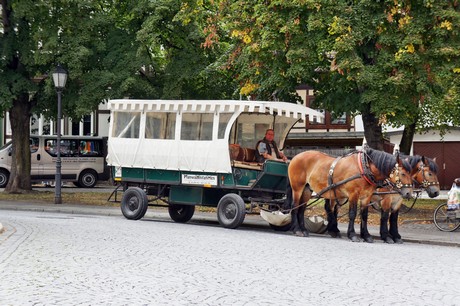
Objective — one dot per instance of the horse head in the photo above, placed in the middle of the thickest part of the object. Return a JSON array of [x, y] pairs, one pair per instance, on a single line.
[[401, 178], [425, 174]]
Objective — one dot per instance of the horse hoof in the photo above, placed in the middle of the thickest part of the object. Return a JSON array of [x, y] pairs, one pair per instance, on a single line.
[[368, 239], [299, 234], [388, 240], [306, 233], [354, 239], [335, 234], [399, 241]]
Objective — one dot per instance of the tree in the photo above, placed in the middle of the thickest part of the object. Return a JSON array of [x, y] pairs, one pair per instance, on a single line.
[[93, 39], [394, 62], [111, 48], [190, 70]]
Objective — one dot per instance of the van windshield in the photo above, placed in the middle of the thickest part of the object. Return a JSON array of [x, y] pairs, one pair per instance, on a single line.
[[5, 145]]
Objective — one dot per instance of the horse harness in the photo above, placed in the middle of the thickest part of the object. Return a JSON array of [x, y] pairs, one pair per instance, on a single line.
[[425, 183], [365, 173]]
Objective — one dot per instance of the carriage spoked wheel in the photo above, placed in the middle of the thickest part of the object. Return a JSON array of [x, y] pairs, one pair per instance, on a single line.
[[231, 211], [134, 203], [181, 213], [446, 220]]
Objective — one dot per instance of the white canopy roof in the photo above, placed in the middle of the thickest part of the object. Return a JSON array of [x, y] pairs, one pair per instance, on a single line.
[[226, 106], [190, 155]]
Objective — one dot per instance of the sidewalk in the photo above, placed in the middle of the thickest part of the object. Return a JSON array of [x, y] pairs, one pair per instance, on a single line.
[[410, 232]]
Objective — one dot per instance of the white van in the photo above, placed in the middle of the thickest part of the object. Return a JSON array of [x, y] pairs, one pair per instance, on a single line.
[[82, 160]]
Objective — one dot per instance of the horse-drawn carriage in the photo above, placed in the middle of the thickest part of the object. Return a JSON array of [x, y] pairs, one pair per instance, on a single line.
[[188, 153]]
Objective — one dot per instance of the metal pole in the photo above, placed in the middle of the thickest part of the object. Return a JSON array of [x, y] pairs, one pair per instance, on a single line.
[[57, 186]]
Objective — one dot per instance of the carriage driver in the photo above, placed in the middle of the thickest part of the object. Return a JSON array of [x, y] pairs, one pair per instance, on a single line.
[[453, 200], [267, 148]]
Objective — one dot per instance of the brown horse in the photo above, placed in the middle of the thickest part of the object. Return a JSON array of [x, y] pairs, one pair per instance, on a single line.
[[352, 178], [424, 174]]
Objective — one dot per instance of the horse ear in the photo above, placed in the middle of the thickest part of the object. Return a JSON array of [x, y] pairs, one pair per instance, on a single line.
[[424, 160], [399, 161]]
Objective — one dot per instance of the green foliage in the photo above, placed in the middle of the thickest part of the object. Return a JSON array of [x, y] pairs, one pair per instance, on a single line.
[[111, 49], [396, 58], [189, 69]]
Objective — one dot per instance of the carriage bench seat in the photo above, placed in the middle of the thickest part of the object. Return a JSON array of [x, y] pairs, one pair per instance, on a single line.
[[244, 157], [246, 165]]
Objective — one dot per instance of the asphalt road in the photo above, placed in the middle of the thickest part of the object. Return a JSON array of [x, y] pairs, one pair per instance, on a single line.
[[51, 258]]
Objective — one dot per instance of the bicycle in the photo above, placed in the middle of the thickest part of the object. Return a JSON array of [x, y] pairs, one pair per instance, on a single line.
[[446, 220]]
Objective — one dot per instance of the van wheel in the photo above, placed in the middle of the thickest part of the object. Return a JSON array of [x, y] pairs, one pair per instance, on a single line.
[[87, 179], [4, 177], [134, 203], [231, 210], [181, 213]]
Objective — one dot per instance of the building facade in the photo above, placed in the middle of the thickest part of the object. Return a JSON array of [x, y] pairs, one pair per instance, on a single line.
[[94, 124]]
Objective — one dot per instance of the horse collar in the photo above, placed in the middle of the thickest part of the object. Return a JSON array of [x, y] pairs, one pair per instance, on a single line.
[[364, 169]]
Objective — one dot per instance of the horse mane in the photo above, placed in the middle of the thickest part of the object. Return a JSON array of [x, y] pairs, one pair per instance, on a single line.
[[385, 162], [414, 160], [432, 164]]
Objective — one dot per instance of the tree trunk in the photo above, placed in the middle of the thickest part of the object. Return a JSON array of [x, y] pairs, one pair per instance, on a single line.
[[21, 162], [372, 130], [405, 145]]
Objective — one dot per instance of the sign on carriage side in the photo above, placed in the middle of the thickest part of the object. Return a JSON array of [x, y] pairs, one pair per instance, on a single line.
[[199, 179]]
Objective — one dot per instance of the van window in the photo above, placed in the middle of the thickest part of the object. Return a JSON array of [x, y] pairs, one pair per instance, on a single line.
[[33, 144], [6, 145], [90, 148], [74, 148], [68, 147]]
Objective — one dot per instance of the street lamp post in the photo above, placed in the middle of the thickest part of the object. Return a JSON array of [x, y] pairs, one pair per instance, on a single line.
[[59, 79]]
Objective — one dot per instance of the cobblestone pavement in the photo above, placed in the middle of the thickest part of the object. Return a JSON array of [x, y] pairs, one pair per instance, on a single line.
[[69, 259]]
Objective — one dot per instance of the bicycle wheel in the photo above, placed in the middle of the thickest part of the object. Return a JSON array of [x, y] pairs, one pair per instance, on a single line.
[[446, 220]]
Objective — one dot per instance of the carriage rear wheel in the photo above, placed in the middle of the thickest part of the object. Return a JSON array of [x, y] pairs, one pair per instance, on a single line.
[[134, 203], [231, 210], [181, 213], [446, 220]]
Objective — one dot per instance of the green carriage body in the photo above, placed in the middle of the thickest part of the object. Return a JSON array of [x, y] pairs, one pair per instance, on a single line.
[[271, 178]]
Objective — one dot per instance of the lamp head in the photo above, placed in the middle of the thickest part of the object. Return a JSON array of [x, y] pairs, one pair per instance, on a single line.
[[59, 77]]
